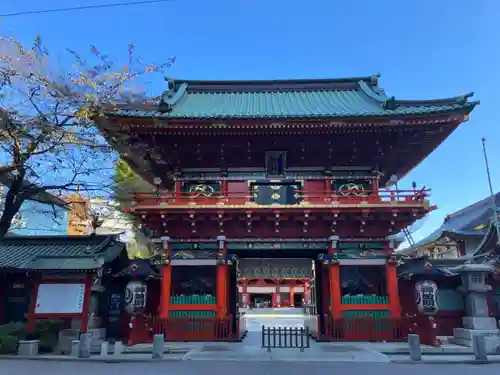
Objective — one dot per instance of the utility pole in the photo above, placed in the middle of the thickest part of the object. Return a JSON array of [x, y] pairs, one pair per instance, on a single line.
[[492, 194]]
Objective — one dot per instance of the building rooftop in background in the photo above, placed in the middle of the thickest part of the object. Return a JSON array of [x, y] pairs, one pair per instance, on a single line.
[[469, 223], [58, 252]]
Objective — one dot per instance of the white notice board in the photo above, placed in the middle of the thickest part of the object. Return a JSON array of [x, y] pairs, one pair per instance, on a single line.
[[60, 299]]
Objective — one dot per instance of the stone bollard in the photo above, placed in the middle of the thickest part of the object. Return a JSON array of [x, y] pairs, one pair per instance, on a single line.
[[158, 346], [479, 346], [415, 349], [85, 344], [28, 348], [75, 348], [118, 348], [104, 348]]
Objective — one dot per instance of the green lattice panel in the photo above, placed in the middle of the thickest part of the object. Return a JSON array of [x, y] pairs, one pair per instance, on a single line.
[[365, 300], [362, 300], [192, 314], [374, 314], [192, 300]]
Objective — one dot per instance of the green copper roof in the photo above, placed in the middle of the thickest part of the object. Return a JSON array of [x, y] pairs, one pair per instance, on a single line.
[[58, 252], [320, 98]]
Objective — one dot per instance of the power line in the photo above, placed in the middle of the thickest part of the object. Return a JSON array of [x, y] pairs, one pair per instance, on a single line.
[[84, 7]]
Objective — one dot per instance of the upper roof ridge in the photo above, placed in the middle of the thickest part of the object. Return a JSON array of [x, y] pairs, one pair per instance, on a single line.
[[270, 85]]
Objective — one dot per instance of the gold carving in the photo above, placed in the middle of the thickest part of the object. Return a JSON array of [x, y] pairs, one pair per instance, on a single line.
[[201, 189]]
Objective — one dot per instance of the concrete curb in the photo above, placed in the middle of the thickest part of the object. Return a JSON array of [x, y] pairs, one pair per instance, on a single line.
[[110, 359], [445, 362], [168, 351]]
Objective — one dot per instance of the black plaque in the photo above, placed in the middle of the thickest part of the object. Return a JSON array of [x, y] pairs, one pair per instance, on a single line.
[[115, 310], [17, 302]]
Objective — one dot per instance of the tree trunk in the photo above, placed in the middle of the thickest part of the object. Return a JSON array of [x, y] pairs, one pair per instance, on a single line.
[[12, 205]]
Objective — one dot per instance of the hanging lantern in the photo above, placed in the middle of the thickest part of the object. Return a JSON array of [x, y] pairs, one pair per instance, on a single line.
[[135, 297], [427, 297]]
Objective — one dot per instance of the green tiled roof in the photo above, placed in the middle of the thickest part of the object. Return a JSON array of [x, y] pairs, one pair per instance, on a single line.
[[301, 99], [58, 252]]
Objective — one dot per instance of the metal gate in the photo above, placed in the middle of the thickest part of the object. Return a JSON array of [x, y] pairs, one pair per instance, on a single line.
[[285, 338]]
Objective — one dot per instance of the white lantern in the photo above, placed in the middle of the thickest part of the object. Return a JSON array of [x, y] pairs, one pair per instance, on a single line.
[[427, 297], [135, 297]]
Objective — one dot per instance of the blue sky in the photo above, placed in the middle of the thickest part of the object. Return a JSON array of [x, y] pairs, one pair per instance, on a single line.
[[422, 48]]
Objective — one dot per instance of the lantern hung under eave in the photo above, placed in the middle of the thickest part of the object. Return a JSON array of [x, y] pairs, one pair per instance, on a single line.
[[427, 297], [135, 297]]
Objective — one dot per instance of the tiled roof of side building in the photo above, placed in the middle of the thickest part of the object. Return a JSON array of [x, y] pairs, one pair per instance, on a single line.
[[58, 252], [472, 221], [314, 98]]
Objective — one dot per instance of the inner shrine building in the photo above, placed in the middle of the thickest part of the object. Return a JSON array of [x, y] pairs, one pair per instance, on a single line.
[[279, 192]]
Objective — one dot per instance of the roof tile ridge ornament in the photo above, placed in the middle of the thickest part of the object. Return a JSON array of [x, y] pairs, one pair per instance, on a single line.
[[272, 85], [390, 102], [171, 96], [387, 102], [490, 235], [455, 100]]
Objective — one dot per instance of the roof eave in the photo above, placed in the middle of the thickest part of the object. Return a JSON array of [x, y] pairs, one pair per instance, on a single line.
[[465, 109]]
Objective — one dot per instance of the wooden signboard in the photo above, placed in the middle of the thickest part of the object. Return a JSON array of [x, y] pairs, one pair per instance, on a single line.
[[60, 299]]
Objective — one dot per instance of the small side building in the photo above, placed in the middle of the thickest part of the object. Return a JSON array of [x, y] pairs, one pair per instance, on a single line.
[[460, 234], [62, 277], [460, 263]]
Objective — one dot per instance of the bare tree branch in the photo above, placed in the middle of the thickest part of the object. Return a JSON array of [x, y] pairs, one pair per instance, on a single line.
[[48, 135]]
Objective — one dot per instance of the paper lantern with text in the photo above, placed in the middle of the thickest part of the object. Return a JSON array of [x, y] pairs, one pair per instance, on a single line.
[[427, 297], [135, 297]]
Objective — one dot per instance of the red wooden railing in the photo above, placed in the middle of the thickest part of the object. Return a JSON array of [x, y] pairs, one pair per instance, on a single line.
[[369, 329], [186, 329], [312, 197], [365, 329]]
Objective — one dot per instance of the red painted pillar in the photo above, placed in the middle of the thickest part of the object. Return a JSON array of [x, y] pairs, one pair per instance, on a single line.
[[326, 287], [166, 279], [274, 301], [375, 186], [178, 190], [328, 190], [245, 298], [222, 278], [393, 288], [278, 295], [86, 303], [307, 293], [292, 304], [30, 328], [334, 273]]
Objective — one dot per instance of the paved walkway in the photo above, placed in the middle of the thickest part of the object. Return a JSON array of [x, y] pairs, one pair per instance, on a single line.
[[240, 368], [282, 317], [250, 350], [251, 347]]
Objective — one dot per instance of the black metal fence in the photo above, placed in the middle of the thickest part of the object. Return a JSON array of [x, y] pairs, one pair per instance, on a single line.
[[285, 337]]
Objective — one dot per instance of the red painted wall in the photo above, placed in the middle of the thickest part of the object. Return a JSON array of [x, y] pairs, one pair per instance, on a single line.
[[238, 190], [314, 191]]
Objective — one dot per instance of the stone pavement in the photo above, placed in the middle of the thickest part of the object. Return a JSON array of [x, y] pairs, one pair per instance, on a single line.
[[445, 359], [239, 368], [283, 317], [250, 350]]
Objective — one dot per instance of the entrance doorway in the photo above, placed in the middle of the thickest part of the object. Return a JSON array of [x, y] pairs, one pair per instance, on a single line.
[[298, 300], [261, 300]]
